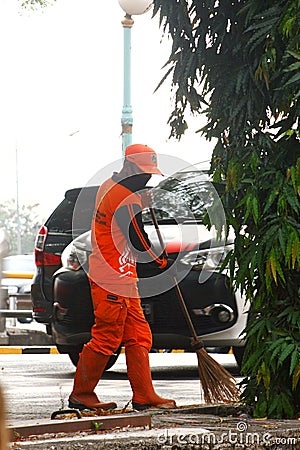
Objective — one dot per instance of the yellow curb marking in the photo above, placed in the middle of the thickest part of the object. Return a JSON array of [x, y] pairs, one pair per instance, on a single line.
[[17, 275], [10, 350], [54, 351]]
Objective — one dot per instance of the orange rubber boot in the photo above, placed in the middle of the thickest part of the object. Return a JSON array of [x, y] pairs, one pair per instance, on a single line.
[[89, 370], [139, 375]]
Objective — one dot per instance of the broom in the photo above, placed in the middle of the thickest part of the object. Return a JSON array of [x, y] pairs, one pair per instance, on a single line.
[[217, 383]]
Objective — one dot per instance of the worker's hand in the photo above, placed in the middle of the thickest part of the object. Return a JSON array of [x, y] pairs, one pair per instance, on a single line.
[[147, 198]]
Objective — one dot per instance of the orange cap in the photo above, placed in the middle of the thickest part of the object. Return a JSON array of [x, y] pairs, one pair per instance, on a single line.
[[144, 157]]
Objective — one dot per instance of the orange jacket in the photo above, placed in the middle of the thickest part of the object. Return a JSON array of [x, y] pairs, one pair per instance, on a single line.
[[117, 235]]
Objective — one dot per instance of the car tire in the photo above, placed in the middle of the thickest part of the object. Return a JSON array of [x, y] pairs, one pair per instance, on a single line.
[[113, 359], [24, 320], [239, 354], [73, 352], [74, 356]]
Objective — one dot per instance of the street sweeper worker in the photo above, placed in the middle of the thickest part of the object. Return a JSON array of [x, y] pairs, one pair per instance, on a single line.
[[118, 242]]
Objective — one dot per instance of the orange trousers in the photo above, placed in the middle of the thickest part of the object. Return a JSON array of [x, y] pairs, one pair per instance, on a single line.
[[118, 320]]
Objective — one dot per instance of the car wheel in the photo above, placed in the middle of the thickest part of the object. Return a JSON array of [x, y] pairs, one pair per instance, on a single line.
[[72, 351], [74, 356], [113, 359], [24, 320], [217, 349], [239, 354]]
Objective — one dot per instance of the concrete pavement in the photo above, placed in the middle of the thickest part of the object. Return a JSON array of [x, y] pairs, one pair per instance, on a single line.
[[212, 427]]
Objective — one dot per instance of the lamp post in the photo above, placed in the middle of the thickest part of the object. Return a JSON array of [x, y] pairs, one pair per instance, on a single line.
[[131, 7], [19, 236]]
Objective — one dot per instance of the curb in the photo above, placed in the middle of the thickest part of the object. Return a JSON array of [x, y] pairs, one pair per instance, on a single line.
[[16, 350], [11, 350], [213, 427], [95, 423], [25, 350]]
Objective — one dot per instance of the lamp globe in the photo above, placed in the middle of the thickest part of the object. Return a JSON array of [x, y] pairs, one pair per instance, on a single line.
[[135, 7]]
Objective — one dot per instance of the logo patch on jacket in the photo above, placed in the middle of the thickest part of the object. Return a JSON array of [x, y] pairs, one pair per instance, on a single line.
[[127, 262]]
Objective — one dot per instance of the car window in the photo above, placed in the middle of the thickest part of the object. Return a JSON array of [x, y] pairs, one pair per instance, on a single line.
[[185, 195], [79, 201], [61, 218], [84, 209]]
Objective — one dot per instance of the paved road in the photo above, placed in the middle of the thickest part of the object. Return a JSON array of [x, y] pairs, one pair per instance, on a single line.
[[36, 385]]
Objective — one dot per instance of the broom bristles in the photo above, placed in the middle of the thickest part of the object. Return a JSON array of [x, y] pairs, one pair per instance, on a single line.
[[217, 383]]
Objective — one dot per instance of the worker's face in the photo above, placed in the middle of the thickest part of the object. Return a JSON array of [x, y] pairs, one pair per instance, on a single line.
[[145, 177], [140, 180], [137, 178]]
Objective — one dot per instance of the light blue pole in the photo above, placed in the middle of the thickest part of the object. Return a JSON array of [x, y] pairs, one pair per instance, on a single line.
[[127, 119]]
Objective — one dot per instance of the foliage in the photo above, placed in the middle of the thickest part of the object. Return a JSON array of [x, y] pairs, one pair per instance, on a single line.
[[28, 224], [238, 63], [34, 4]]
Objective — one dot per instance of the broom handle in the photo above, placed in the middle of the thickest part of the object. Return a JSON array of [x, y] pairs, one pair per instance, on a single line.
[[178, 290]]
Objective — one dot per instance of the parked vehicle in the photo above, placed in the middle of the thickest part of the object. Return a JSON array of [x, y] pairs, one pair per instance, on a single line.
[[218, 313], [54, 235], [17, 275]]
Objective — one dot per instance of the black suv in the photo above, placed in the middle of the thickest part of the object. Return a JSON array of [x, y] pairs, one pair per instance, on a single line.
[[52, 239], [62, 297]]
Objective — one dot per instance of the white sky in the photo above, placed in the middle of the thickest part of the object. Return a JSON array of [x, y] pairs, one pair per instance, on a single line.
[[62, 71]]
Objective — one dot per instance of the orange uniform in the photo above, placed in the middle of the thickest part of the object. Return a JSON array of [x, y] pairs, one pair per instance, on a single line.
[[112, 269], [112, 263], [118, 239]]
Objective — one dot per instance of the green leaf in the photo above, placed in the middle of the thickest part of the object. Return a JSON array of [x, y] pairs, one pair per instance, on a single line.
[[292, 200], [260, 409], [263, 24], [274, 403], [281, 240], [295, 252], [280, 273], [286, 352], [294, 66], [287, 405], [275, 353], [251, 362], [255, 209], [270, 200], [272, 266], [294, 54], [294, 79], [296, 377], [295, 360], [255, 328], [292, 248]]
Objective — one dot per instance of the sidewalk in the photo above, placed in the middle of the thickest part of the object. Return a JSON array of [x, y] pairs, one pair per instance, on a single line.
[[191, 427], [26, 339], [212, 427]]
